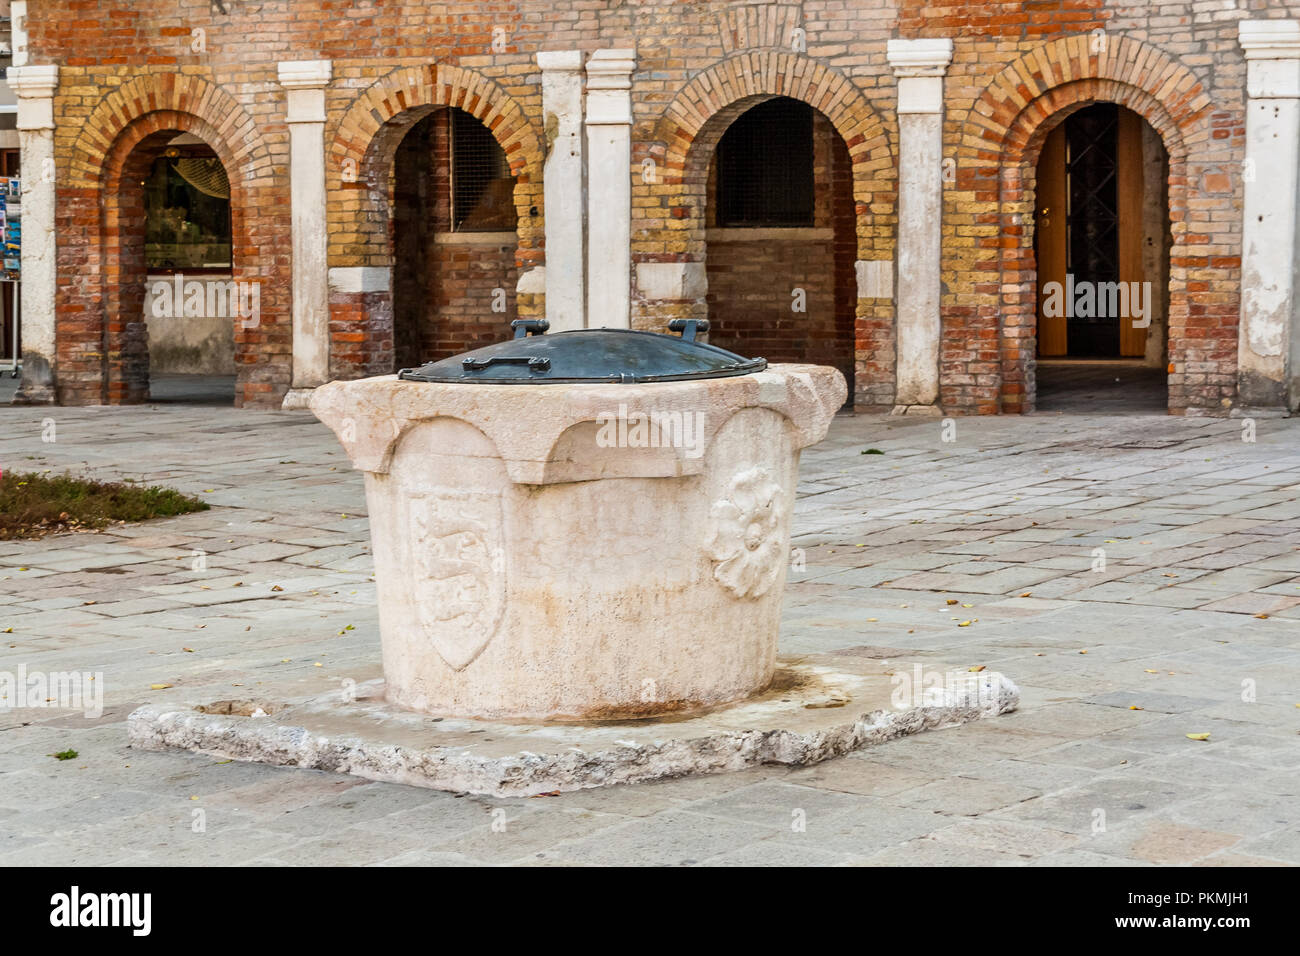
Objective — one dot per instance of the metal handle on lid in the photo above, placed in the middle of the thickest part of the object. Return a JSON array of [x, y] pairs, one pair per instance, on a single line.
[[535, 363], [526, 327], [688, 327]]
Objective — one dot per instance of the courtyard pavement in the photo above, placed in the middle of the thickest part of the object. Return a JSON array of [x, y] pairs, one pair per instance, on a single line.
[[1137, 576]]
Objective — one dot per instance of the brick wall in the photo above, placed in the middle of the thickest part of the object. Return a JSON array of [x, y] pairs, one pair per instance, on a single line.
[[753, 274], [452, 291], [1015, 74]]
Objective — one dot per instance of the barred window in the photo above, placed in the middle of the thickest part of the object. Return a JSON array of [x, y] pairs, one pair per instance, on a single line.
[[482, 189], [765, 167]]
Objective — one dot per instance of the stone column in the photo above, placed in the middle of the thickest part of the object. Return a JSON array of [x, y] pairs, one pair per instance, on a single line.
[[18, 31], [609, 188], [305, 81], [566, 260], [919, 66], [1268, 343], [34, 86]]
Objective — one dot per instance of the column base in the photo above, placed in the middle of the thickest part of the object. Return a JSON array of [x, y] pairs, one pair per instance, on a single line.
[[36, 387], [1260, 411], [297, 398], [931, 411], [35, 395]]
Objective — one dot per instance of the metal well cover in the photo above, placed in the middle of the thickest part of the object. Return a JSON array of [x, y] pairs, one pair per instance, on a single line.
[[589, 355]]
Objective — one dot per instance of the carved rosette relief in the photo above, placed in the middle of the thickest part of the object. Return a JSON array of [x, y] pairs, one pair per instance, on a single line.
[[747, 545], [458, 572]]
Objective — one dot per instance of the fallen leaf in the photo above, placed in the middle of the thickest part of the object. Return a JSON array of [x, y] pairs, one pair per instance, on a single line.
[[1135, 707], [964, 624], [276, 587], [976, 669], [1198, 736], [1027, 593], [952, 600], [1150, 672], [159, 686]]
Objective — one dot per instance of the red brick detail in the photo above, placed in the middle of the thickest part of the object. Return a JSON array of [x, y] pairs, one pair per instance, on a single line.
[[996, 165], [359, 176], [101, 339], [670, 211]]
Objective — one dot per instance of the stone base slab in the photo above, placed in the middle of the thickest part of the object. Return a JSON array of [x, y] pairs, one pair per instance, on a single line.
[[818, 707]]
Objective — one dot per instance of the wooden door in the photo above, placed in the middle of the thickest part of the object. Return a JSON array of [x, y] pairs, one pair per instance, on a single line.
[[1050, 237], [1128, 169]]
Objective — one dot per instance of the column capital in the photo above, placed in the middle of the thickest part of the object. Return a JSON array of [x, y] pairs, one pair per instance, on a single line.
[[612, 69], [34, 86], [928, 56], [609, 87], [304, 74], [305, 82], [1272, 50], [560, 61], [1269, 39], [37, 81]]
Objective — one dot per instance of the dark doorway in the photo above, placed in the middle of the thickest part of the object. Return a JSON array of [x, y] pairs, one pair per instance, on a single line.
[[1101, 242]]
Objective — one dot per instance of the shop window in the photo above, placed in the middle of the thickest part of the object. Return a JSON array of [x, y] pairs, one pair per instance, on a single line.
[[187, 212], [765, 167], [482, 189]]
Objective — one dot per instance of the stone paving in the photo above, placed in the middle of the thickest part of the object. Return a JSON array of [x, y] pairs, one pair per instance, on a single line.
[[1138, 576]]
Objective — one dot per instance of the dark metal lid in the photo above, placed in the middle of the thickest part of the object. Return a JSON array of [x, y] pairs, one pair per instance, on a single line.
[[589, 355]]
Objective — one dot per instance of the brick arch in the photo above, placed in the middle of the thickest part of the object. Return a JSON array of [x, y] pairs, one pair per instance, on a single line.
[[686, 135], [367, 136], [701, 112], [237, 139], [996, 167], [101, 338], [361, 149]]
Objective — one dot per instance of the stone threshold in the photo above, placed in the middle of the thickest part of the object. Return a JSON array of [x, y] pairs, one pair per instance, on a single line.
[[819, 707]]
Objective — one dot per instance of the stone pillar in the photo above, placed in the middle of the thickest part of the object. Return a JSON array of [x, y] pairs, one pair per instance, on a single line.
[[18, 31], [609, 188], [305, 82], [920, 66], [34, 86], [1268, 343], [566, 260]]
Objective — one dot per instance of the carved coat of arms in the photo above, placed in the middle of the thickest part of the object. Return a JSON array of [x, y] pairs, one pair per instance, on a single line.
[[458, 571]]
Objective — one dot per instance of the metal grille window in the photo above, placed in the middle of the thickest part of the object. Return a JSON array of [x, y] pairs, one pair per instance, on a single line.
[[765, 167], [482, 189]]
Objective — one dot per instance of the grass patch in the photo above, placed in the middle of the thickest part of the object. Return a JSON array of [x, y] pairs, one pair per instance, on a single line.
[[33, 505]]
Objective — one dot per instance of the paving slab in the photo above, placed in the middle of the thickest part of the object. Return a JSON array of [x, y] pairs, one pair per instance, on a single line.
[[1025, 494]]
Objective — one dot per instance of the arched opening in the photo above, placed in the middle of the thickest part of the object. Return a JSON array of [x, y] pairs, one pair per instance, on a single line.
[[175, 307], [1101, 242], [781, 238], [454, 238]]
